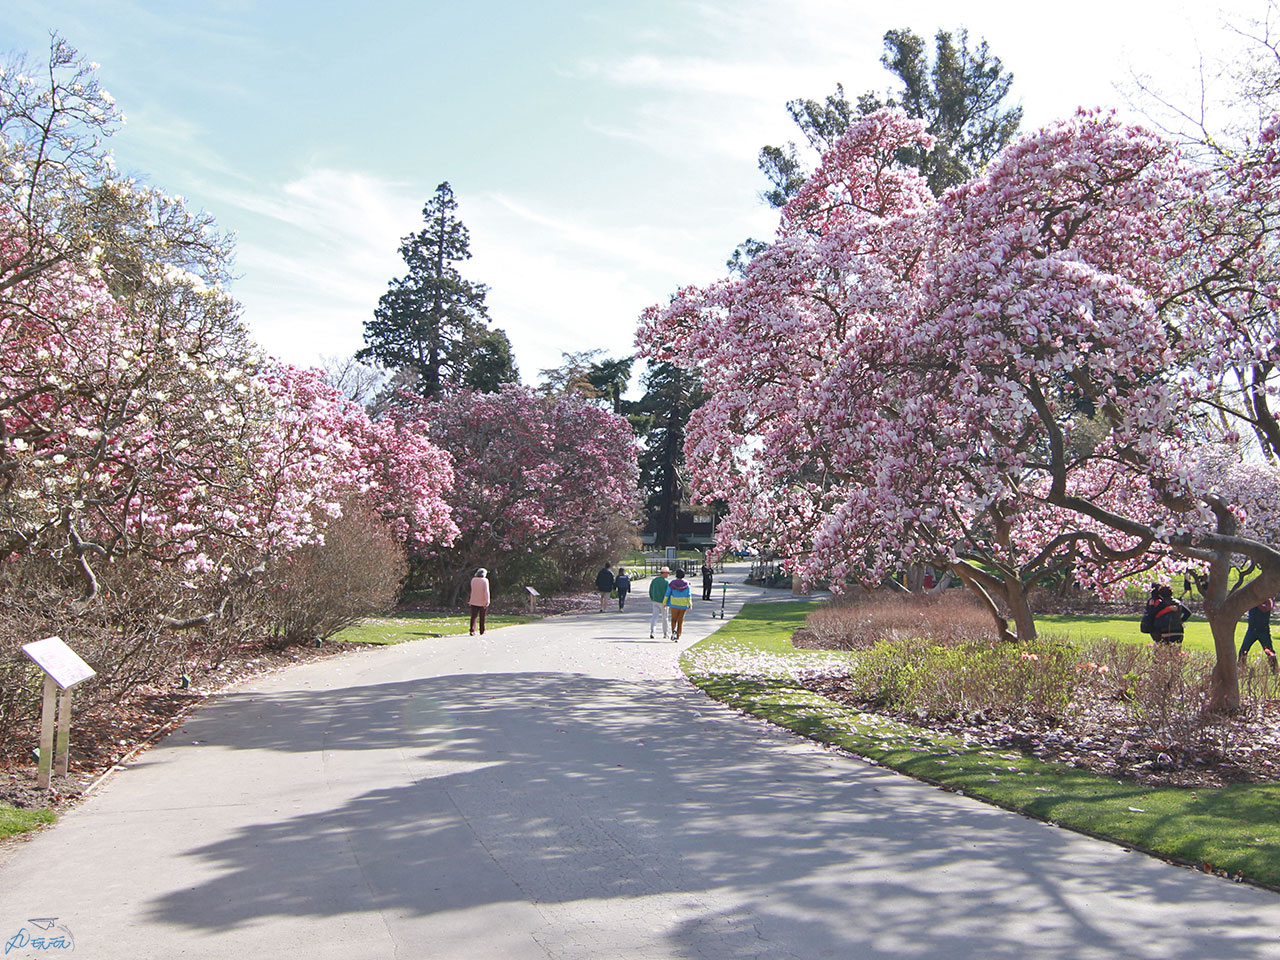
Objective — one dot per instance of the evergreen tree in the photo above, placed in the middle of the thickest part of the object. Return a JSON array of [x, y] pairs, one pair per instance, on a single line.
[[589, 374], [959, 95], [432, 323], [661, 418]]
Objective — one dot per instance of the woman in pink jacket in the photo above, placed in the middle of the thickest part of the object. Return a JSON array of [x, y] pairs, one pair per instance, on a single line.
[[479, 599]]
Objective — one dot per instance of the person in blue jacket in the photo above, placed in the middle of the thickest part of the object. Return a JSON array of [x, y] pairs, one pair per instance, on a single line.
[[622, 583], [1259, 632]]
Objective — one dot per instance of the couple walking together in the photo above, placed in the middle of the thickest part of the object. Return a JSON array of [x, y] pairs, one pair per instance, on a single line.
[[674, 595]]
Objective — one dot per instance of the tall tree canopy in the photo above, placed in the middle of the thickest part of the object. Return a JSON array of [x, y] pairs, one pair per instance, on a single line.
[[590, 374], [662, 420], [959, 96], [432, 322], [928, 359], [545, 487]]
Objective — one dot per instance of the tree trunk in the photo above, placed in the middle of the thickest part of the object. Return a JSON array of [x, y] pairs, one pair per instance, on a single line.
[[1015, 597], [972, 579], [1224, 685]]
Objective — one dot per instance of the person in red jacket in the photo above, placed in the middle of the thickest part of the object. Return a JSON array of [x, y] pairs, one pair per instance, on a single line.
[[1164, 617]]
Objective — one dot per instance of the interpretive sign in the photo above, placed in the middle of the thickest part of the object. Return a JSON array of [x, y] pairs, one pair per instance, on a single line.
[[59, 661], [63, 669]]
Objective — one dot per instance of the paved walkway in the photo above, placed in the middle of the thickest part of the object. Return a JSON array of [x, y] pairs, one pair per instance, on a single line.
[[555, 790]]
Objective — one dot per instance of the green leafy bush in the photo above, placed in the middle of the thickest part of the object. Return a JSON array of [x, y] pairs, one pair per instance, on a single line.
[[932, 679]]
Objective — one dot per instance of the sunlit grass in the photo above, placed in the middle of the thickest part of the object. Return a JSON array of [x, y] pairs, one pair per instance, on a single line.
[[750, 664], [400, 627], [1123, 629], [14, 820]]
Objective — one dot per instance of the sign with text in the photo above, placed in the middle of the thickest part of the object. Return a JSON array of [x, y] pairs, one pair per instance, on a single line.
[[59, 661]]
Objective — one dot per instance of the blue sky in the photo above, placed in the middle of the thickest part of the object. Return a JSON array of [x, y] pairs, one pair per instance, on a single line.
[[602, 153]]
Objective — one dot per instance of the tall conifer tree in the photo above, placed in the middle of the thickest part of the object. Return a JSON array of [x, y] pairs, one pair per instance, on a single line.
[[433, 323]]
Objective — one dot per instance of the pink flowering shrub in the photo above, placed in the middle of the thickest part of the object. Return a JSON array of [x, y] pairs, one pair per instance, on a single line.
[[152, 469], [545, 487]]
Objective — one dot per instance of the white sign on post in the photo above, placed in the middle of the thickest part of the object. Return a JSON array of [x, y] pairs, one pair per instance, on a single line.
[[62, 668], [59, 661]]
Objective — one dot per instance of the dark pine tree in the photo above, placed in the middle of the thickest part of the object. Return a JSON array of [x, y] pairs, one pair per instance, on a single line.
[[661, 418], [432, 324], [960, 96]]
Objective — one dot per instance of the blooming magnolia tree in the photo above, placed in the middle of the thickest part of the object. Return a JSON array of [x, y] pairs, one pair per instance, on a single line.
[[1090, 267], [897, 377], [144, 435], [152, 466], [849, 468], [538, 479]]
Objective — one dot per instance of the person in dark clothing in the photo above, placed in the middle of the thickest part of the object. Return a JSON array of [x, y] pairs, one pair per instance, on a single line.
[[604, 585], [1164, 621], [1149, 611], [1188, 583], [622, 583], [707, 575], [1259, 631]]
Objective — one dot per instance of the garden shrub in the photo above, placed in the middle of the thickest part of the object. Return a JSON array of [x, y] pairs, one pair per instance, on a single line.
[[942, 680], [120, 632], [317, 590], [857, 621]]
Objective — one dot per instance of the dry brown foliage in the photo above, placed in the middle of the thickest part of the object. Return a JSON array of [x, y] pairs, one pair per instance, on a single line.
[[857, 622], [315, 591]]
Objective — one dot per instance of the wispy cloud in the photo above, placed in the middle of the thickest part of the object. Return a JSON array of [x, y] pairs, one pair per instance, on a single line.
[[324, 250]]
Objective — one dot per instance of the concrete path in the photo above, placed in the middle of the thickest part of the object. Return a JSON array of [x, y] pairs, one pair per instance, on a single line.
[[555, 790]]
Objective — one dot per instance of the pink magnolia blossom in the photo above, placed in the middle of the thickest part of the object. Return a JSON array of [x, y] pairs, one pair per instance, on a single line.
[[534, 474]]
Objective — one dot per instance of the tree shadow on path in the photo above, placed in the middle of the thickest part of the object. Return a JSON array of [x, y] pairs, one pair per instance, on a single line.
[[586, 797]]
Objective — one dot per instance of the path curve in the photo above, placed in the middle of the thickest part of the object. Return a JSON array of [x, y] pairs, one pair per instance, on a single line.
[[556, 790]]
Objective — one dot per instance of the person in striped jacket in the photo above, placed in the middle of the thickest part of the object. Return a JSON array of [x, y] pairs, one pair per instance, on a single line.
[[679, 599]]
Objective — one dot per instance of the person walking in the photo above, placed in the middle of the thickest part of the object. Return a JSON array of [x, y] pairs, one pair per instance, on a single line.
[[679, 599], [604, 585], [658, 601], [1188, 584], [1259, 631], [707, 576], [479, 599], [1164, 621], [622, 584]]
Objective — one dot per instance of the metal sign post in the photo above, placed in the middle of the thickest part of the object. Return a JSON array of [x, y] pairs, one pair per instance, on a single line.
[[63, 669]]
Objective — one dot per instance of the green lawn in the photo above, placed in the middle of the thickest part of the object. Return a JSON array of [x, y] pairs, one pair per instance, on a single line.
[[14, 820], [399, 627], [748, 663], [1125, 629]]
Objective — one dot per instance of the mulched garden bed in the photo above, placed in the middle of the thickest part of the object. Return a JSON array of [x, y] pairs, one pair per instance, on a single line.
[[1100, 737]]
